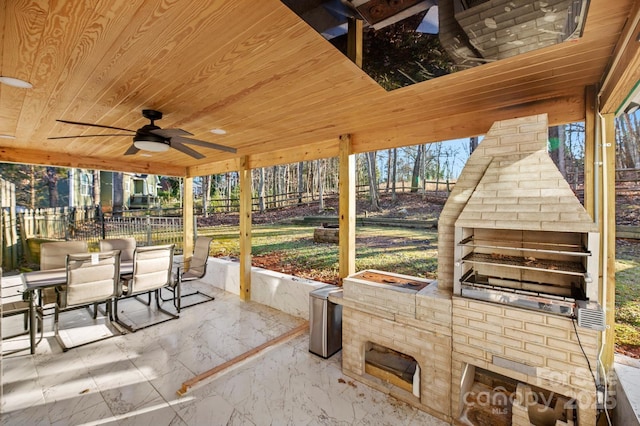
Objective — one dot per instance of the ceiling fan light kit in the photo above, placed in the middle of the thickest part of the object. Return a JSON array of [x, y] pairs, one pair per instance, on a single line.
[[154, 139]]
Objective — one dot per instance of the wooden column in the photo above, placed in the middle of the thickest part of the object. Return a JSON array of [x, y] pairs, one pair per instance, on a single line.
[[187, 217], [347, 208], [245, 229], [590, 130], [608, 237], [354, 40]]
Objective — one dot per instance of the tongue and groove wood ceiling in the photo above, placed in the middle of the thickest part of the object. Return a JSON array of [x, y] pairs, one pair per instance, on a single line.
[[255, 69]]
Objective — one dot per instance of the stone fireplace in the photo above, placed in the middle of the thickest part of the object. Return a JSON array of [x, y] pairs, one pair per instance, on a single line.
[[518, 271]]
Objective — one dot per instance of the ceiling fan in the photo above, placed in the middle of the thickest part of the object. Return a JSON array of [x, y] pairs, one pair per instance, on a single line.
[[152, 138]]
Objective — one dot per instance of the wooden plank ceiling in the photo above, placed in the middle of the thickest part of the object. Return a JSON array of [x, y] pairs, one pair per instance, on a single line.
[[255, 69]]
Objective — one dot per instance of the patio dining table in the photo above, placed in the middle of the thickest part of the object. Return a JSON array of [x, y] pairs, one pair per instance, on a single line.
[[38, 280]]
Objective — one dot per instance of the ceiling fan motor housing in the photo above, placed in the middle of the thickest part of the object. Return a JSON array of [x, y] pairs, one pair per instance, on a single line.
[[148, 141]]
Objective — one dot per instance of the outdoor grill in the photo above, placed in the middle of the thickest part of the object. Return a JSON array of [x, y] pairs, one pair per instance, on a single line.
[[539, 270]]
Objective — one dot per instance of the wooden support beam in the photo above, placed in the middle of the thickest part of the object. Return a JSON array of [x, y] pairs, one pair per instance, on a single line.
[[187, 218], [590, 130], [245, 229], [608, 238], [624, 70], [347, 208], [354, 40], [46, 158]]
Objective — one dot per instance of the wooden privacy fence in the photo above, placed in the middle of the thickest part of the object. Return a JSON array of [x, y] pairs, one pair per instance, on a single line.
[[10, 250]]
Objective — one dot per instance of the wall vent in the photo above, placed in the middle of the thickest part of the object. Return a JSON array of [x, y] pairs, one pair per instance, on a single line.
[[590, 315]]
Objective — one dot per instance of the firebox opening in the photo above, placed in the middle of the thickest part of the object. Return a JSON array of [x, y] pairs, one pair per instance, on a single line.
[[490, 398], [392, 367]]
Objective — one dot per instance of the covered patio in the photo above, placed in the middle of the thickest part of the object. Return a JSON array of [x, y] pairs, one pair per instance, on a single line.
[[134, 379], [261, 84]]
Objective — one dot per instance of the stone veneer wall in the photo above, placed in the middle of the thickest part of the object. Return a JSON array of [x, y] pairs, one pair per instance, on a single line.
[[508, 137], [417, 324], [430, 349], [540, 349]]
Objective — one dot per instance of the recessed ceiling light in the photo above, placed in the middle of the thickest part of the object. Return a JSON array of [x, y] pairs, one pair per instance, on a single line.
[[15, 82], [218, 131], [7, 137]]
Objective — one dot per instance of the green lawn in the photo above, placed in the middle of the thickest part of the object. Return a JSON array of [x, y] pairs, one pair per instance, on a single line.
[[627, 294], [405, 251]]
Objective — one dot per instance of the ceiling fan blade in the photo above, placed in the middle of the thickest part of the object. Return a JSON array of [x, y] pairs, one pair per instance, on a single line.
[[95, 125], [170, 133], [132, 150], [86, 136], [204, 144], [185, 149]]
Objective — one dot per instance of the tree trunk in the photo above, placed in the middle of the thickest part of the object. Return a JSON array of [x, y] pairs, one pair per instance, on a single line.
[[473, 144], [438, 152], [261, 190], [300, 182], [206, 195], [373, 181], [228, 192], [32, 189], [556, 147], [320, 186], [415, 175], [394, 168], [96, 187], [51, 179]]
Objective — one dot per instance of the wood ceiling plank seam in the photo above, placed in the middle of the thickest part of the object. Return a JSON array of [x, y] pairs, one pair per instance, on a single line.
[[119, 149], [123, 53], [293, 70], [462, 83], [482, 109], [102, 30], [423, 111], [379, 123], [170, 96], [563, 110], [329, 148], [258, 23], [18, 54], [57, 37]]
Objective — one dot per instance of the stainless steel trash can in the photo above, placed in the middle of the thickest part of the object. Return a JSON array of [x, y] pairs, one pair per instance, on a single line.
[[325, 322]]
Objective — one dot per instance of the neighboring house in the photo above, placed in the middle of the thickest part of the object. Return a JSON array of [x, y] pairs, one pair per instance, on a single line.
[[124, 191], [77, 190]]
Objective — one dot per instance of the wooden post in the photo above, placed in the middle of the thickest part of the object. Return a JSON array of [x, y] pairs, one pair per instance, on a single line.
[[347, 208], [354, 40], [187, 218], [589, 150], [608, 237], [245, 229]]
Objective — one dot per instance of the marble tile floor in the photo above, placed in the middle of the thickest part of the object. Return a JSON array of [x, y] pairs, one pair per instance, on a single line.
[[132, 379]]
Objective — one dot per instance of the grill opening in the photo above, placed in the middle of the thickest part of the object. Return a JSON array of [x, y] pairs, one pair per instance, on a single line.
[[540, 270]]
